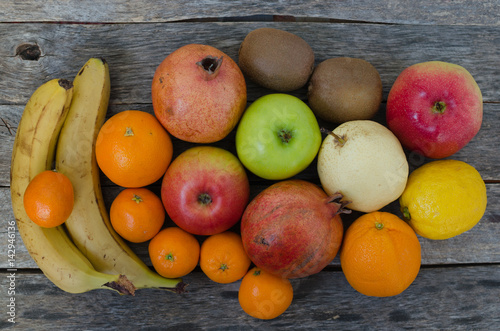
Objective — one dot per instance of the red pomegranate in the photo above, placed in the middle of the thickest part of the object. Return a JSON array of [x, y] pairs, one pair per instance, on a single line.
[[293, 228], [198, 93]]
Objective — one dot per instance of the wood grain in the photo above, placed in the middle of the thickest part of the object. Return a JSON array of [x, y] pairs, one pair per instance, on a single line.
[[479, 245], [133, 51], [133, 59], [456, 298], [458, 286], [133, 54], [442, 12], [481, 152]]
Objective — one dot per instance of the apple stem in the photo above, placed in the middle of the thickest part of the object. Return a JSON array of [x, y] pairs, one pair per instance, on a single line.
[[210, 66], [340, 140], [336, 199], [439, 107], [205, 199]]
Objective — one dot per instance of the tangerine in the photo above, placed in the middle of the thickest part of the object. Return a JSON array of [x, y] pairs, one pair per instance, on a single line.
[[133, 149], [137, 214], [49, 199], [380, 255], [263, 295], [223, 258], [174, 252]]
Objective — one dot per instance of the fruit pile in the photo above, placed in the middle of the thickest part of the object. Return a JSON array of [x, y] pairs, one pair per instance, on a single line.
[[292, 228]]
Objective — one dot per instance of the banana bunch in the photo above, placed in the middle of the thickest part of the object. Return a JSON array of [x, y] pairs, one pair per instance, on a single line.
[[33, 152], [61, 122]]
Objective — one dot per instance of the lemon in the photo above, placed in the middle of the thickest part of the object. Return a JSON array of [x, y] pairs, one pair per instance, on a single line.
[[443, 199]]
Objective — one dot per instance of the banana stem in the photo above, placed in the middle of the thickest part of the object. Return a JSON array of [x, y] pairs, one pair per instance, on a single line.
[[122, 286]]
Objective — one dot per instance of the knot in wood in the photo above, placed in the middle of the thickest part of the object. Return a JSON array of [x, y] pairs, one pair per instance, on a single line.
[[29, 52]]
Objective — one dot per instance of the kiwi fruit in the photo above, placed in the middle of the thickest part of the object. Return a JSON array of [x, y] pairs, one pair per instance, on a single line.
[[276, 59], [345, 89]]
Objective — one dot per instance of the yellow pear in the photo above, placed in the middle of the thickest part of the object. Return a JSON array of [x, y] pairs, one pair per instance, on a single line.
[[365, 162]]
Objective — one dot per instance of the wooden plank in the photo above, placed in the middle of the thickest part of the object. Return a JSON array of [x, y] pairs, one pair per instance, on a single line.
[[456, 298], [135, 50], [479, 245], [468, 12], [458, 287], [481, 152], [133, 61]]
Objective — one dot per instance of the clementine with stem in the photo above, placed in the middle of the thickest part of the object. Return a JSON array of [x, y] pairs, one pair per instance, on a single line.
[[137, 214], [174, 252], [380, 255], [223, 258], [133, 149], [263, 295]]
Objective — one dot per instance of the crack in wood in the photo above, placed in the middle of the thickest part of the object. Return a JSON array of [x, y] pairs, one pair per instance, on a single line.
[[9, 127]]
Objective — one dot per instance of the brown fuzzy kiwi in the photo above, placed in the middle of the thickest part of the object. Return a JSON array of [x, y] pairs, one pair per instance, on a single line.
[[345, 89], [276, 59]]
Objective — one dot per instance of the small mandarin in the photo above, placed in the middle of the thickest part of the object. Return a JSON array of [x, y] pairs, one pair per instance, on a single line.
[[137, 214], [380, 254], [133, 149], [263, 295], [49, 199], [223, 258], [174, 252]]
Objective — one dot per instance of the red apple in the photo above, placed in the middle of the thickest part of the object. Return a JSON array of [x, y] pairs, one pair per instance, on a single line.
[[198, 93], [435, 108], [205, 190]]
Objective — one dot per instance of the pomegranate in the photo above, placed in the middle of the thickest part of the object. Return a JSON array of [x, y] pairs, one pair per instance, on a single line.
[[293, 228], [198, 93]]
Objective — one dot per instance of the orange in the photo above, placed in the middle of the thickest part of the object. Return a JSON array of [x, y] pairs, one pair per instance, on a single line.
[[49, 199], [223, 258], [174, 252], [137, 214], [380, 254], [133, 149], [263, 295]]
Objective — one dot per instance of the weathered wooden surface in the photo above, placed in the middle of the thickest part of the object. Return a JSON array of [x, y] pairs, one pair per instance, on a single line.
[[479, 245], [456, 298], [459, 284], [480, 152], [135, 50], [442, 12]]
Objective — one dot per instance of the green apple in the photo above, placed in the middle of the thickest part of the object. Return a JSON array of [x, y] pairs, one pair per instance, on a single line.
[[277, 137]]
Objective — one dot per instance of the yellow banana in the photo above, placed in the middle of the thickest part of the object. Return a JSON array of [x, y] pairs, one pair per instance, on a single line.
[[89, 225], [33, 152]]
